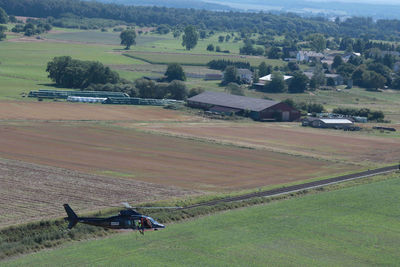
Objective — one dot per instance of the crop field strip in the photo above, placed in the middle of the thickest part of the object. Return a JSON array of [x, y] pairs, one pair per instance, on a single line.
[[31, 192], [197, 165], [366, 149], [63, 111]]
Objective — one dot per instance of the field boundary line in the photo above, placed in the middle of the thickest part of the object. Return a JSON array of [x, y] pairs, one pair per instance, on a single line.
[[300, 187]]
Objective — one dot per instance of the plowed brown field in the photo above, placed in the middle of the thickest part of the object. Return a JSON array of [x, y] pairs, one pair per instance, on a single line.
[[30, 192], [158, 159], [18, 110], [292, 139]]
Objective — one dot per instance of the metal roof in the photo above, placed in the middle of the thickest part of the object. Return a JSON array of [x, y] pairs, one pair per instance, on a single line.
[[233, 101], [269, 77], [335, 121]]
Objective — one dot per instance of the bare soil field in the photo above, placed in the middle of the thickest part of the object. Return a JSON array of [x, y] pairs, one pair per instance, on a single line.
[[293, 139], [30, 192], [164, 160], [23, 110]]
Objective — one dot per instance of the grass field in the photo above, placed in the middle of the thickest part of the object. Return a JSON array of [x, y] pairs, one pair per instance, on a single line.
[[23, 64], [197, 59], [354, 226], [108, 38], [24, 71]]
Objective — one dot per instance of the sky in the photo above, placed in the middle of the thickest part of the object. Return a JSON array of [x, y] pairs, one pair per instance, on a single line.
[[393, 2]]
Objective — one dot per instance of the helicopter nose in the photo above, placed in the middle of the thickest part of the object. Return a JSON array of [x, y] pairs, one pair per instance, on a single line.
[[159, 225]]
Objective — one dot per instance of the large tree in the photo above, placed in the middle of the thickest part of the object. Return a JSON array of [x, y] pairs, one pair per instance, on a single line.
[[234, 89], [373, 80], [337, 62], [317, 42], [177, 90], [264, 69], [128, 38], [190, 37], [3, 16], [230, 75], [2, 34], [276, 85], [298, 83], [175, 72]]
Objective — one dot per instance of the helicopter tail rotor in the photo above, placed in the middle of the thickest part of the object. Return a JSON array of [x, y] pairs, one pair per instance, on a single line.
[[72, 217]]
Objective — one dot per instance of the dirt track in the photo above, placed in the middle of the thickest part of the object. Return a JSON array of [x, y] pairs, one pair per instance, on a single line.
[[30, 192]]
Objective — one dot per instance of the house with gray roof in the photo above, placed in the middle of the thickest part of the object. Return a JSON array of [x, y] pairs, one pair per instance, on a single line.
[[244, 75], [256, 108], [309, 56]]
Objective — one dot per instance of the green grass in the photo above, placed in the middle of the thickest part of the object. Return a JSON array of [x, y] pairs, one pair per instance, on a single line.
[[23, 65], [354, 226], [109, 38]]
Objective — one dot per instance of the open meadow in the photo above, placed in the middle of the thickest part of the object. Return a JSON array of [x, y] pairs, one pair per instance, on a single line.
[[353, 226]]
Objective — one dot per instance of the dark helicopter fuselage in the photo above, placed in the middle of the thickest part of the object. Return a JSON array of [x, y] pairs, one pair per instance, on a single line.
[[127, 219]]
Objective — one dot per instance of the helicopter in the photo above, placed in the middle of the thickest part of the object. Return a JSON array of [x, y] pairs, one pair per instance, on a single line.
[[127, 219]]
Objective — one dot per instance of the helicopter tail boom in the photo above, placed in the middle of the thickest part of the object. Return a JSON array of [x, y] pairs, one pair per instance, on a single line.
[[72, 217]]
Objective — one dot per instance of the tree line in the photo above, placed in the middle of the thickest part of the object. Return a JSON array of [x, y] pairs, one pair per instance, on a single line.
[[92, 75], [223, 21]]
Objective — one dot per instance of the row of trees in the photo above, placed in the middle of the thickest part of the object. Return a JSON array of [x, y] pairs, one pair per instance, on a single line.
[[3, 20], [372, 115], [221, 64], [31, 28]]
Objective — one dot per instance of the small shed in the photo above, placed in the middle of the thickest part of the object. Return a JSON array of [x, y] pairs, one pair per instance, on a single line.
[[213, 77], [327, 123]]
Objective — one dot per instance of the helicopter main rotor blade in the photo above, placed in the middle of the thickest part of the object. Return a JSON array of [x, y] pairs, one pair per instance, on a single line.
[[126, 204], [157, 208]]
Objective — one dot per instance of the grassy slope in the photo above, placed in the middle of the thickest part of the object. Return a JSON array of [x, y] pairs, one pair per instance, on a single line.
[[353, 226], [23, 65]]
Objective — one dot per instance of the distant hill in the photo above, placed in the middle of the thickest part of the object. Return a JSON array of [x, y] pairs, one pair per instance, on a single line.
[[375, 9], [197, 4], [342, 8]]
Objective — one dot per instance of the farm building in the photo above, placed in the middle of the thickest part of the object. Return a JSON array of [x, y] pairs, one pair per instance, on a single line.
[[327, 123], [213, 77], [256, 108]]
